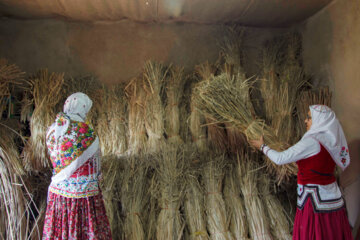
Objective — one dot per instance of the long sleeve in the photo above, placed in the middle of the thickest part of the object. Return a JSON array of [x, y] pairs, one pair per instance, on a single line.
[[303, 149]]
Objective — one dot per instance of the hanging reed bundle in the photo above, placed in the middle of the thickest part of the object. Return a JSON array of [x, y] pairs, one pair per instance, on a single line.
[[135, 197], [47, 91], [235, 204], [10, 75], [137, 133], [154, 79], [194, 199], [174, 91], [170, 170], [111, 185], [278, 220], [14, 208], [226, 99], [255, 210], [217, 217]]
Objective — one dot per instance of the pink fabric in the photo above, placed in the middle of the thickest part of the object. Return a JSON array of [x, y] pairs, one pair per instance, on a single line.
[[76, 218], [310, 225]]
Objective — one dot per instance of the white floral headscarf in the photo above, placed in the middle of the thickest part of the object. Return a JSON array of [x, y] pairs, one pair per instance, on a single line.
[[328, 131]]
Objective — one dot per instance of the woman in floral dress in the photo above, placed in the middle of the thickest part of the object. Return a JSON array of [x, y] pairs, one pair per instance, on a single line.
[[75, 208]]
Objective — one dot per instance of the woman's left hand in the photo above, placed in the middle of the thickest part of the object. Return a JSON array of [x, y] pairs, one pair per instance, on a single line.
[[257, 143]]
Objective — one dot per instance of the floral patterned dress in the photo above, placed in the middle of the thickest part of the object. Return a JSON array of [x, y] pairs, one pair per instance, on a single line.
[[75, 208]]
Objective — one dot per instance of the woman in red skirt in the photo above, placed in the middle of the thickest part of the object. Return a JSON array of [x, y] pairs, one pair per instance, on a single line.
[[321, 212], [75, 208]]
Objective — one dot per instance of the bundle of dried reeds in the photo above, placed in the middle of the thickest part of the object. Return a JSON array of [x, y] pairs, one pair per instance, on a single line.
[[135, 197], [10, 75], [235, 139], [111, 185], [171, 168], [255, 210], [47, 91], [136, 99], [226, 99], [194, 199], [235, 204], [216, 135], [278, 220], [154, 79], [174, 92], [14, 208], [217, 217]]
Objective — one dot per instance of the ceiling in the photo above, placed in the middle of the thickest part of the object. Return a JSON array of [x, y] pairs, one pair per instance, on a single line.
[[261, 13]]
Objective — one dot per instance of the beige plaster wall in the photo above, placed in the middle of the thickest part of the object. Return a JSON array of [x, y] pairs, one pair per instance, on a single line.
[[331, 41], [115, 51]]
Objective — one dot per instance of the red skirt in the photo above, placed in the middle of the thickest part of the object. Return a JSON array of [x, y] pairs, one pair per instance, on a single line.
[[310, 225], [76, 218]]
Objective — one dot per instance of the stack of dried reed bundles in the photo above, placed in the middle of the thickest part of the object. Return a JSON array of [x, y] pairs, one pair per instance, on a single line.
[[194, 199], [255, 210], [136, 98], [111, 185], [47, 91], [10, 74], [154, 79], [217, 217], [278, 220], [226, 99], [171, 168], [235, 204], [174, 91], [14, 208], [135, 197]]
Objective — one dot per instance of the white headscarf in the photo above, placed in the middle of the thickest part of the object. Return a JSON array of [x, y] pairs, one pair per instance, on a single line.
[[76, 107], [327, 130]]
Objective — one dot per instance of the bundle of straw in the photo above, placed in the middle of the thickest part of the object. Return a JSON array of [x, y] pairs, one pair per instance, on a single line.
[[10, 75], [111, 125], [226, 99], [170, 172], [194, 200], [235, 204], [135, 197], [111, 185], [174, 91], [154, 77], [217, 217], [47, 90], [255, 210], [279, 222], [136, 98], [14, 209], [27, 107], [235, 139]]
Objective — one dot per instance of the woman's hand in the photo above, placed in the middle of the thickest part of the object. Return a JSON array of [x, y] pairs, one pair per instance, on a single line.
[[257, 143]]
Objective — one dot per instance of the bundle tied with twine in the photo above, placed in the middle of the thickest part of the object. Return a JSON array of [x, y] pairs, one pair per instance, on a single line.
[[226, 99], [10, 75], [235, 204], [216, 214], [194, 199], [15, 212], [135, 197], [47, 92], [174, 92], [255, 210], [278, 220], [170, 170], [111, 123], [111, 185], [154, 79], [136, 121]]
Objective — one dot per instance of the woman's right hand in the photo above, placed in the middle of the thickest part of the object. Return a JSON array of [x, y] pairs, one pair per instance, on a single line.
[[257, 143]]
